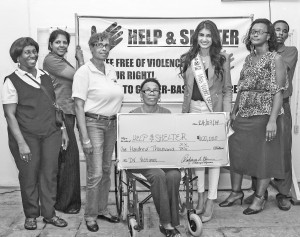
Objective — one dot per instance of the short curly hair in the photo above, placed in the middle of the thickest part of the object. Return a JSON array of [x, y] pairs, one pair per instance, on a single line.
[[95, 38], [18, 45], [282, 21], [272, 42], [151, 80]]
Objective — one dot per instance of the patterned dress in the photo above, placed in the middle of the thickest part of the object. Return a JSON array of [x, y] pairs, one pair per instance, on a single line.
[[249, 151]]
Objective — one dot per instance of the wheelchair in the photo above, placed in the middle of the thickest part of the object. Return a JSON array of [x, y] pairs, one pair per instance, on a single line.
[[130, 208]]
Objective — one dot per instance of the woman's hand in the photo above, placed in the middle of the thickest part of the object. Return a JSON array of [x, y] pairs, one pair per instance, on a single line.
[[65, 139], [232, 118], [87, 147], [271, 130], [25, 153], [79, 55]]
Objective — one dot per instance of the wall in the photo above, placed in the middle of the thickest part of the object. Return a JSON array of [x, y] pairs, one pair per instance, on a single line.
[[23, 18]]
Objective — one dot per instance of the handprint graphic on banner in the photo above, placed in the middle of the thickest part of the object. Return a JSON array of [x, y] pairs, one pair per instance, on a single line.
[[114, 30]]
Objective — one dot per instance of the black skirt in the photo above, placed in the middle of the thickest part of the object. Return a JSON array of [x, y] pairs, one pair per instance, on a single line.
[[68, 178], [251, 154]]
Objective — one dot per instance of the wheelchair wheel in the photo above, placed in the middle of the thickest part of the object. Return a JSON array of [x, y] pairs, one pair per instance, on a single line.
[[124, 207], [132, 228], [119, 190], [195, 225]]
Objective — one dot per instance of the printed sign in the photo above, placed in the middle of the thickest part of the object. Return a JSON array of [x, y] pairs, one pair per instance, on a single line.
[[171, 140], [151, 47]]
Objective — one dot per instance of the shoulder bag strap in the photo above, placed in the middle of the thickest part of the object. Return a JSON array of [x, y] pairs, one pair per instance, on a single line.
[[44, 90]]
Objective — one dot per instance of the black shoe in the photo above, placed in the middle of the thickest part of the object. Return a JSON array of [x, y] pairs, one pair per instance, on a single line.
[[227, 203], [72, 211], [250, 211], [249, 199], [169, 233], [112, 219], [30, 224], [283, 202], [92, 226], [56, 221]]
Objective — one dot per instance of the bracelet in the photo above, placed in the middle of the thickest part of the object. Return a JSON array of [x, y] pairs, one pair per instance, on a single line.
[[87, 142], [62, 128]]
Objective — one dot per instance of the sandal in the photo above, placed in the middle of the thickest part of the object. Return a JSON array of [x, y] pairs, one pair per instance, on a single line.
[[56, 221], [30, 224]]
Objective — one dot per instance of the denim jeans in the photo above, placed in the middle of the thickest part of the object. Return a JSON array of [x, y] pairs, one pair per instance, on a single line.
[[103, 135]]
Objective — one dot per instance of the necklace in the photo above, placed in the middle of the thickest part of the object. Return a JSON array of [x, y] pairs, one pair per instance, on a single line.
[[205, 61]]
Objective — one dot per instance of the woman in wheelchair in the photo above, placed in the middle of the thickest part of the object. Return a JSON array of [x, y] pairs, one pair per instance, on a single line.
[[164, 182]]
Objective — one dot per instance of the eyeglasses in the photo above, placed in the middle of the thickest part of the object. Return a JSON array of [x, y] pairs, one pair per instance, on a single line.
[[258, 32], [100, 45], [147, 92]]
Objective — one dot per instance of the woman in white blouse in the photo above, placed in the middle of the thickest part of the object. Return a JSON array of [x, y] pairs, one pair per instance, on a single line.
[[98, 98]]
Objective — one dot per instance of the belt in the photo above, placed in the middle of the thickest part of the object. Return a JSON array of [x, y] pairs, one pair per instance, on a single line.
[[286, 100], [100, 117], [258, 91]]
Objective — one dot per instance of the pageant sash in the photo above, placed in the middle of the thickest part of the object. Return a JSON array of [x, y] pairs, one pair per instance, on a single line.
[[201, 79]]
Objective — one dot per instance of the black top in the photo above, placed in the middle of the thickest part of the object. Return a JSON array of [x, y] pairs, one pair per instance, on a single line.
[[196, 92], [35, 113]]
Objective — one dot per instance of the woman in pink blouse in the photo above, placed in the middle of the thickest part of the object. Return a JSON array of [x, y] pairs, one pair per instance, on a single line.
[[255, 148]]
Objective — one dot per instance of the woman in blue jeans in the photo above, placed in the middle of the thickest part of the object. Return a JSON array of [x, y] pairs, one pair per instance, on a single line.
[[98, 98], [164, 182]]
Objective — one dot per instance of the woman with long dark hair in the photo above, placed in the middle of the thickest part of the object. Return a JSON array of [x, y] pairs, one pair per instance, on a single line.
[[256, 147], [206, 73]]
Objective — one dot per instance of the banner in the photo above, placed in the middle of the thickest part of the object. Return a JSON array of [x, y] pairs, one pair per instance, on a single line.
[[172, 140], [151, 47]]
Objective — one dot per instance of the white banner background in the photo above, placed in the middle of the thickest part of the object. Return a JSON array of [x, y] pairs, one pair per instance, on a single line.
[[151, 47]]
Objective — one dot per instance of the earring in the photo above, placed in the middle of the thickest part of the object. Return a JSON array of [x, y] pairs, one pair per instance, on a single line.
[[252, 49], [142, 99], [159, 100], [18, 63]]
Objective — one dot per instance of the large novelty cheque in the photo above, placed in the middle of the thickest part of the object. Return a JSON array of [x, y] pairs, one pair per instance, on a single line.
[[172, 140], [151, 47]]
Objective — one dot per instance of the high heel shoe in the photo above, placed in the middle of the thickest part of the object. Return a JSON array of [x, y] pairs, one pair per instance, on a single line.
[[249, 199], [201, 204], [199, 211], [227, 203], [250, 211], [205, 217]]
